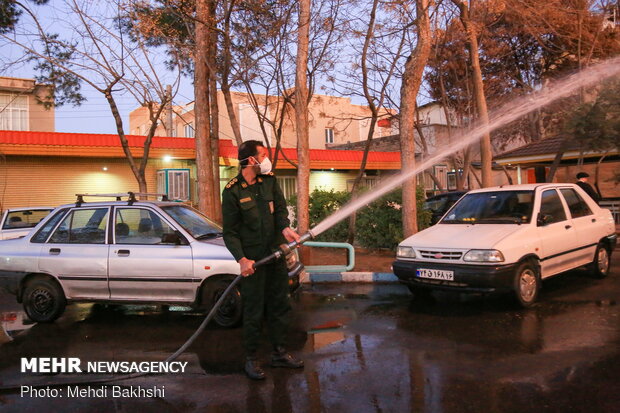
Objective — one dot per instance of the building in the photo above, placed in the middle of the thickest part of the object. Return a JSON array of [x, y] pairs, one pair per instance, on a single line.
[[22, 105], [49, 168], [533, 161], [333, 120]]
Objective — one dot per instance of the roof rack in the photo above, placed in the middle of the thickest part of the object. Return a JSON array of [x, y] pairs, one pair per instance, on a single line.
[[131, 196]]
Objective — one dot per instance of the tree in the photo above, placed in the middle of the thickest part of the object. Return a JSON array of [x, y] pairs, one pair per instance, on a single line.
[[486, 154], [301, 117], [202, 109], [411, 81], [102, 57]]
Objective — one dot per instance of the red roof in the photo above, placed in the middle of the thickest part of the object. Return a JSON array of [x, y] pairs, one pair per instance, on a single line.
[[320, 158]]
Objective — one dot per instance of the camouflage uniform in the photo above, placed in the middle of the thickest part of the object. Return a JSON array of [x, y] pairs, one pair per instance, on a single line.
[[254, 217]]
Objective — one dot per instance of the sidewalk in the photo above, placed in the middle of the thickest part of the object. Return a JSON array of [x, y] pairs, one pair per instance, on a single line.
[[370, 266]]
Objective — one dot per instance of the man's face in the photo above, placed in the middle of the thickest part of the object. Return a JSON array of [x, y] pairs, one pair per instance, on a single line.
[[261, 153]]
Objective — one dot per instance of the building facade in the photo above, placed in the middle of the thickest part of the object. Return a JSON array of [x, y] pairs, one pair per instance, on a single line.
[[22, 105], [333, 120]]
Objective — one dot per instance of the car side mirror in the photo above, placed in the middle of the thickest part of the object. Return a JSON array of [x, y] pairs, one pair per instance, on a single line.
[[173, 238], [544, 219]]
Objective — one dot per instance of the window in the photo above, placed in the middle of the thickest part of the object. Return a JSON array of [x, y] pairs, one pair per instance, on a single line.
[[552, 205], [174, 183], [576, 204], [189, 130], [498, 207], [288, 185], [139, 226], [13, 112], [329, 135], [44, 232], [25, 219], [82, 226]]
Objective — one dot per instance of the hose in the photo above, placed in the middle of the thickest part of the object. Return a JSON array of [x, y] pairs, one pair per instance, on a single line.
[[284, 249]]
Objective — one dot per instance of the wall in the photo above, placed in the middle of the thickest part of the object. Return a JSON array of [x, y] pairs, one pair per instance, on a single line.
[[349, 121], [40, 119], [47, 181]]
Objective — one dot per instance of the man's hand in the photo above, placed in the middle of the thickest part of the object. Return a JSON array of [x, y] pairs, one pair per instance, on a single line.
[[290, 235], [246, 266]]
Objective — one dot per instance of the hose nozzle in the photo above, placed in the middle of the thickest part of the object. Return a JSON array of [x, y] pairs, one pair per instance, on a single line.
[[284, 249]]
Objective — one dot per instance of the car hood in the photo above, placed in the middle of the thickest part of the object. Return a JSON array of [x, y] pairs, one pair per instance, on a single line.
[[462, 236], [212, 248]]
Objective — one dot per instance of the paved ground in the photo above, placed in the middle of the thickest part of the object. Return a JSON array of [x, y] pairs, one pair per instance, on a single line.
[[368, 348]]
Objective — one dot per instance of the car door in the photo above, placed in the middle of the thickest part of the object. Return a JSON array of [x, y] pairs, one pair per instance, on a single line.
[[77, 253], [584, 222], [141, 266], [557, 234]]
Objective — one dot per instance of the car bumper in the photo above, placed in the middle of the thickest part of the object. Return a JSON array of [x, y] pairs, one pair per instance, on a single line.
[[467, 278]]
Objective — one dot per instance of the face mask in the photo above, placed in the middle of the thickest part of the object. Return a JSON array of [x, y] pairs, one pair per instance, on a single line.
[[264, 167]]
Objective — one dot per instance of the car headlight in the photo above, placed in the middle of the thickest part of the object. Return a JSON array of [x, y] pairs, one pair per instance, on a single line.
[[405, 252], [484, 256]]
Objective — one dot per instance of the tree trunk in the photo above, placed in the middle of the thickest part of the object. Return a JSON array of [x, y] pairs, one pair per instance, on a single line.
[[204, 156], [486, 154], [411, 80], [215, 113], [301, 119]]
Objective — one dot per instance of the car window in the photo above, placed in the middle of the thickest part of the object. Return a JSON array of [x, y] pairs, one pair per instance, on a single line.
[[82, 226], [44, 232], [193, 222], [139, 226], [436, 203], [497, 207], [576, 205], [552, 206], [25, 219]]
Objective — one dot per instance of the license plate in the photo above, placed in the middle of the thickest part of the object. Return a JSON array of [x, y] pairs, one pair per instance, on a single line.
[[435, 274]]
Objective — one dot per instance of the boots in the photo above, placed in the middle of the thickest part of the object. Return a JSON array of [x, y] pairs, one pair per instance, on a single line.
[[281, 358], [252, 368]]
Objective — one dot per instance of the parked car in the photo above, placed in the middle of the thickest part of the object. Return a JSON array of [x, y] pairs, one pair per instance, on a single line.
[[509, 239], [124, 252], [17, 222], [439, 204]]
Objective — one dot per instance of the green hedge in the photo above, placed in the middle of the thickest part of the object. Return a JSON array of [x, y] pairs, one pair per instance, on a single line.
[[379, 225]]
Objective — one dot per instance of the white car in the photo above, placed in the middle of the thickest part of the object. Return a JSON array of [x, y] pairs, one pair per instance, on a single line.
[[509, 239], [123, 252], [18, 222]]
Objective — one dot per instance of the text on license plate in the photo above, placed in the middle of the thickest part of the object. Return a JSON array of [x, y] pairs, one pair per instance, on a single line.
[[435, 274]]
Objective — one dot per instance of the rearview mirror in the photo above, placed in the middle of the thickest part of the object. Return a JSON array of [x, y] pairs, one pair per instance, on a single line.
[[173, 238]]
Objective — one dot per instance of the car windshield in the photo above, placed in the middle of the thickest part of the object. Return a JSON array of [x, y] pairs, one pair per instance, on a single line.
[[192, 221], [499, 207]]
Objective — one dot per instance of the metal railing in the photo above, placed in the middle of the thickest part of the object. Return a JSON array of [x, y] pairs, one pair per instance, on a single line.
[[614, 207], [332, 268]]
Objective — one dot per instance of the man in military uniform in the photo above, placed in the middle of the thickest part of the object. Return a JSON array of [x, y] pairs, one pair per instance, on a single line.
[[255, 224]]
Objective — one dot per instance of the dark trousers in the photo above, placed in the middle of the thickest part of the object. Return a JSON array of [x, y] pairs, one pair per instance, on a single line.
[[265, 296]]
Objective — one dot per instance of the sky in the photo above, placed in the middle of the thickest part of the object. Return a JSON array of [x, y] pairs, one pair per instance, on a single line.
[[93, 115]]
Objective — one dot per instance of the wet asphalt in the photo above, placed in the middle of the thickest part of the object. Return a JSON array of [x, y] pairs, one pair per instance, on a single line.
[[367, 348]]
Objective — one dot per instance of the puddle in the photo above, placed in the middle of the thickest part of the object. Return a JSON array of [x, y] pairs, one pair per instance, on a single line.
[[325, 334]]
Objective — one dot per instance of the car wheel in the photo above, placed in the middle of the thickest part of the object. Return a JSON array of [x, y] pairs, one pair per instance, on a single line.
[[526, 284], [600, 265], [43, 300], [230, 312]]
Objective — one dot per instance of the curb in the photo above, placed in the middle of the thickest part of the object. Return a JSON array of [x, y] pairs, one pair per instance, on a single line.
[[353, 277]]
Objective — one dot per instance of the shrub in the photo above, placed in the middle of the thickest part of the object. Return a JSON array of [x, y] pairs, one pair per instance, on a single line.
[[323, 204], [380, 225]]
